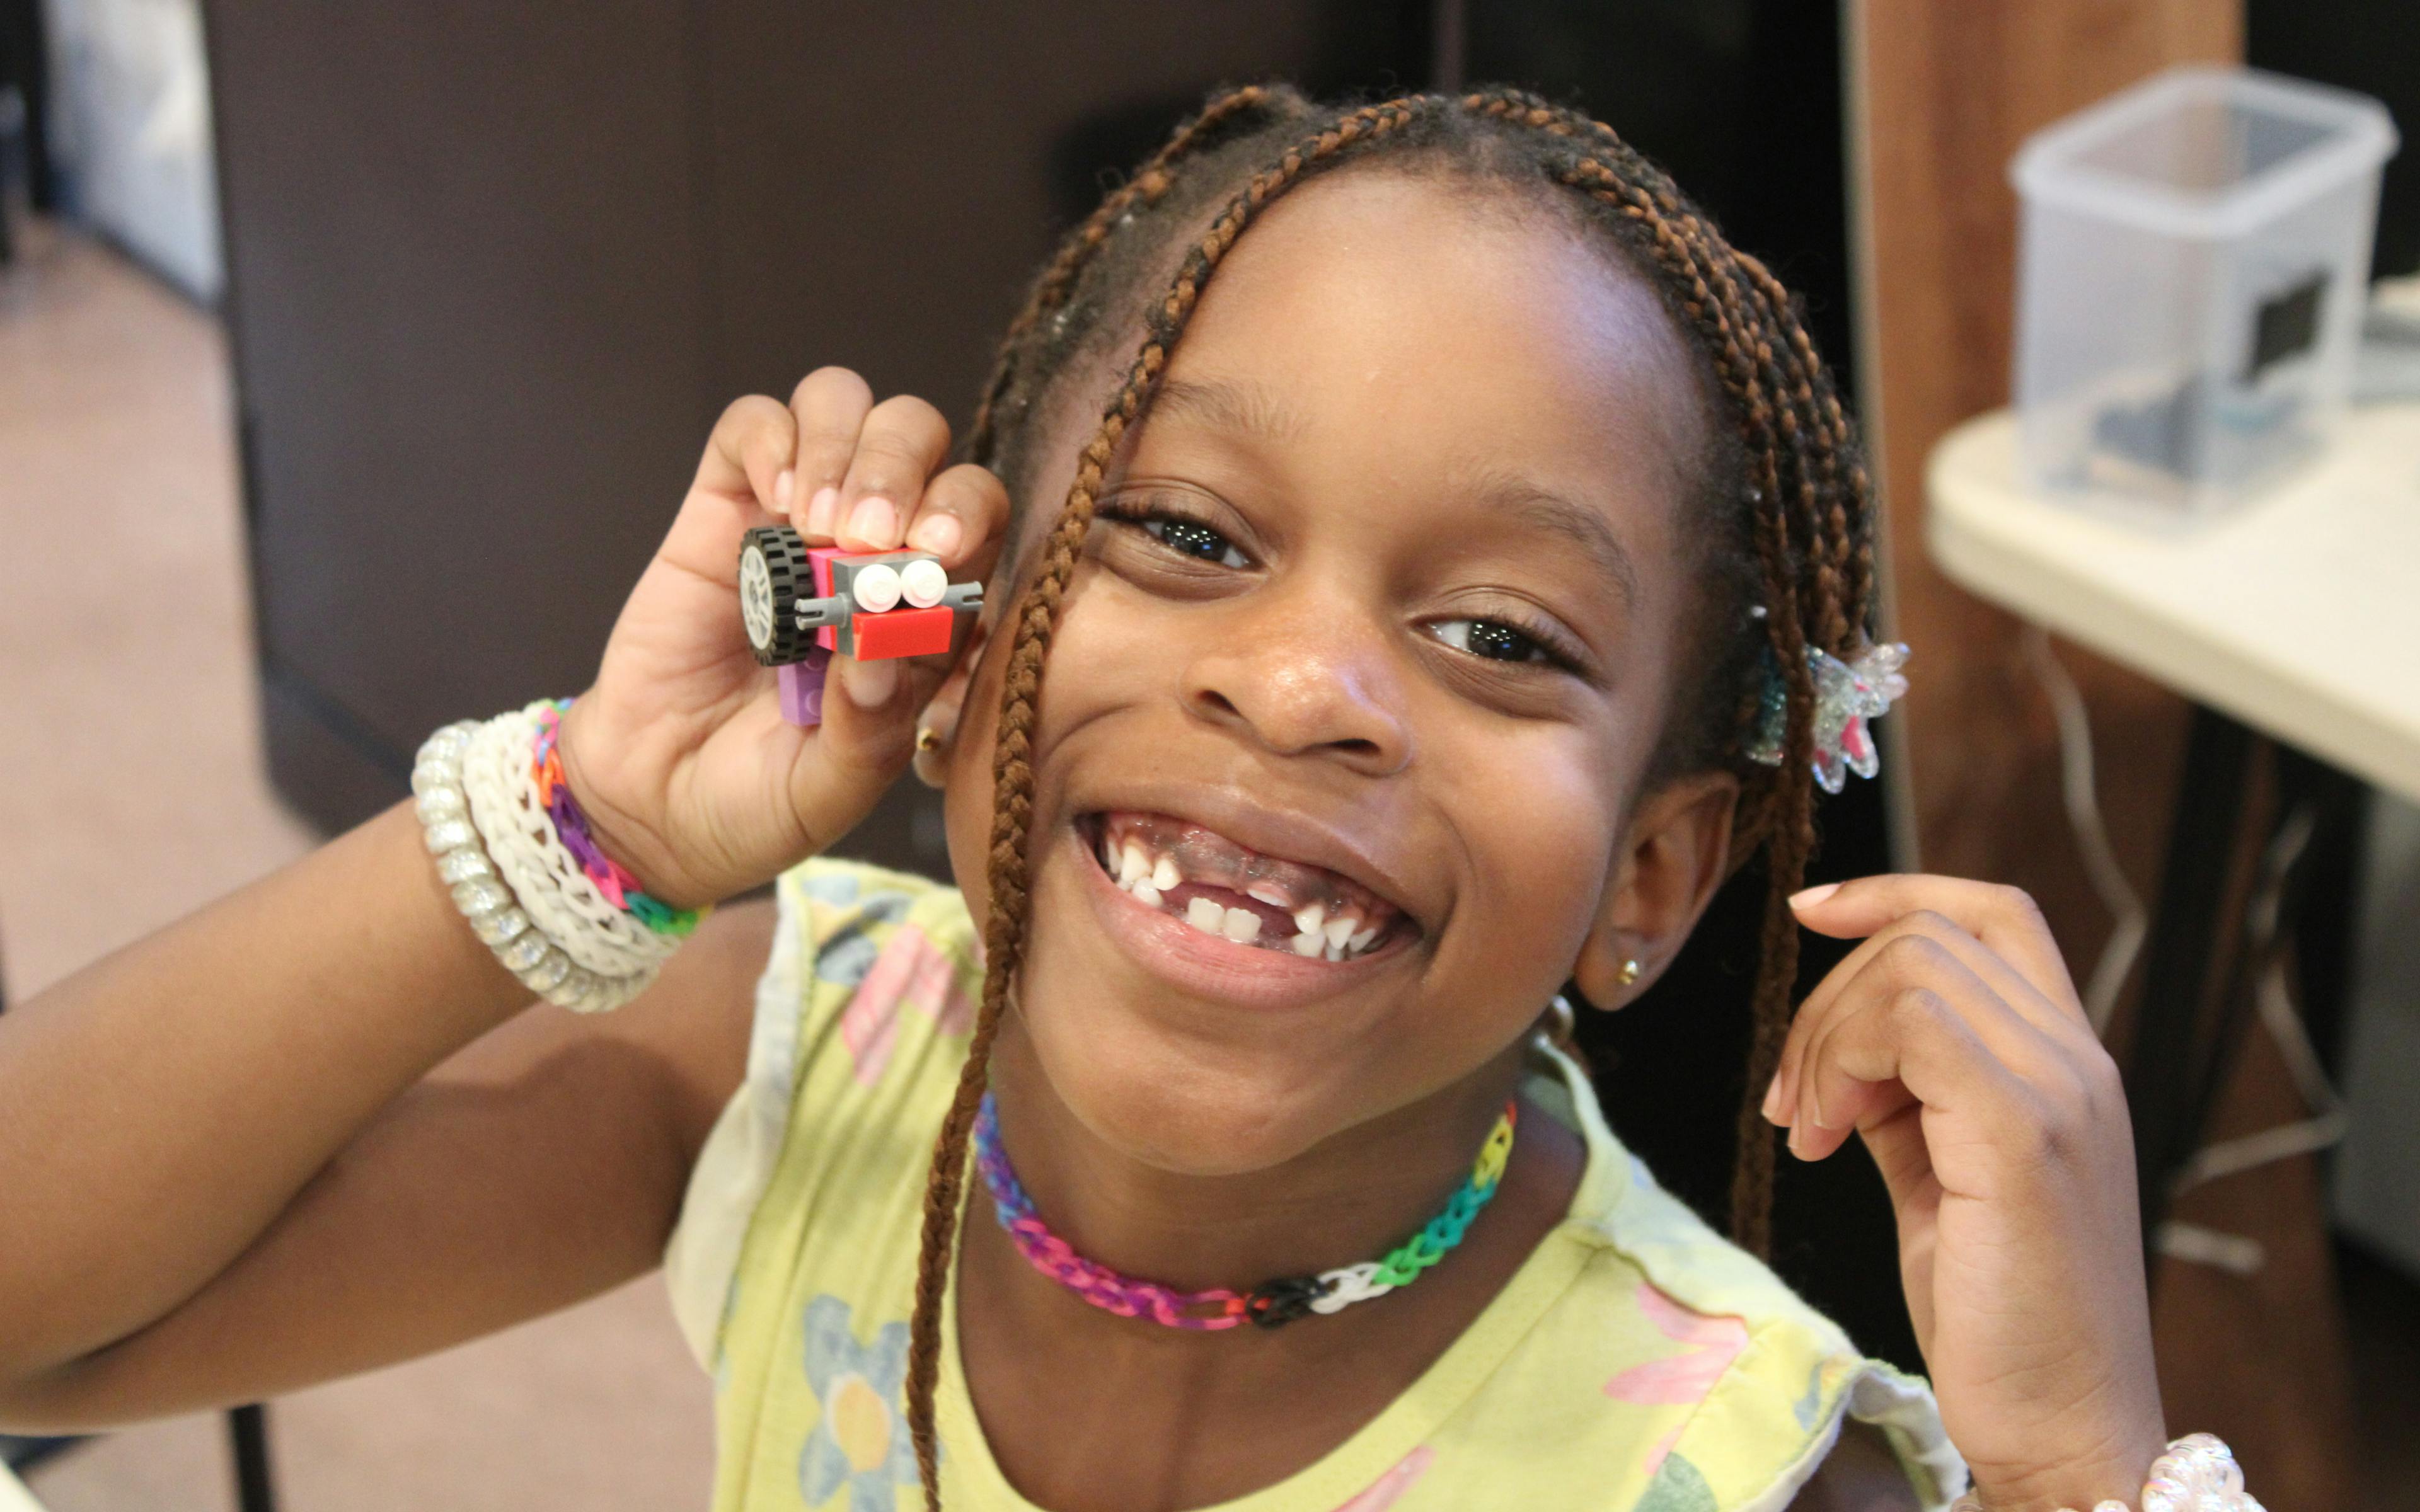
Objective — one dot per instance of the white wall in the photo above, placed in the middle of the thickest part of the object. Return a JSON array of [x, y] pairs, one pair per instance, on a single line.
[[132, 120]]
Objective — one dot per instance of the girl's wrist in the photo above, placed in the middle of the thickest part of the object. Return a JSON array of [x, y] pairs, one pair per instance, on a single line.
[[2117, 1473], [632, 844]]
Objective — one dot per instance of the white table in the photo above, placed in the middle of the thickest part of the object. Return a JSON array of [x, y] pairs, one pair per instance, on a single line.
[[2299, 613], [13, 1495], [2296, 615]]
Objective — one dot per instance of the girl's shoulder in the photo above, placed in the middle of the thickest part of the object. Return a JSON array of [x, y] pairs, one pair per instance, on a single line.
[[1675, 1338], [861, 1022]]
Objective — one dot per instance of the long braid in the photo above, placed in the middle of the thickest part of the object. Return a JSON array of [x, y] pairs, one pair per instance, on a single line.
[[1804, 526], [1817, 540], [1036, 618]]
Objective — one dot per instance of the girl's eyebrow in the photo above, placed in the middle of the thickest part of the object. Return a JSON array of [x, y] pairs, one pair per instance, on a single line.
[[1237, 405], [1541, 508]]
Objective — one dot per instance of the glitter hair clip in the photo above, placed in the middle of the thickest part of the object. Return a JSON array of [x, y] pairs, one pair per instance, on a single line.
[[1848, 694]]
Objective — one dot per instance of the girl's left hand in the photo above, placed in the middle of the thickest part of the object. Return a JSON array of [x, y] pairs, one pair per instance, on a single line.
[[1953, 1041]]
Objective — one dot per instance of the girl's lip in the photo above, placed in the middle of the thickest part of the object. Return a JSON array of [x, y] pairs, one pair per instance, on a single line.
[[1204, 965]]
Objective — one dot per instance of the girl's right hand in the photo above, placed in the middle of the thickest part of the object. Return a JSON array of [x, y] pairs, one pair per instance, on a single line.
[[679, 754]]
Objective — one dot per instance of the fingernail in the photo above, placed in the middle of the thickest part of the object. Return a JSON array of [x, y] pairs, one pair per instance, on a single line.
[[785, 485], [1772, 1099], [1811, 896], [870, 684], [822, 512], [874, 522], [938, 535], [1793, 1143]]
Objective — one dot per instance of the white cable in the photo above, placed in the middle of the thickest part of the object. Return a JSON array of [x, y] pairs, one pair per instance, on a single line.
[[2129, 920]]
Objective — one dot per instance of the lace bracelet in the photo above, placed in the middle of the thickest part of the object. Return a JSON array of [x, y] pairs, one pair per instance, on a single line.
[[2198, 1473], [496, 825]]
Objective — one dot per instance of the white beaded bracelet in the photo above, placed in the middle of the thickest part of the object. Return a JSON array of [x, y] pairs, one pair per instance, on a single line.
[[2198, 1473], [551, 943]]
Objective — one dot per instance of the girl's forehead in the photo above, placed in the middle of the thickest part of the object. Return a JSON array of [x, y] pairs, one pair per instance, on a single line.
[[1436, 320]]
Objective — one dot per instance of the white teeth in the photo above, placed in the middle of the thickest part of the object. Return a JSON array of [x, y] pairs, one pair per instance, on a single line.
[[1263, 892], [1309, 920], [1241, 926], [1310, 942], [1360, 942], [1164, 875], [1340, 930], [1145, 893], [1205, 915], [1133, 866], [1336, 953]]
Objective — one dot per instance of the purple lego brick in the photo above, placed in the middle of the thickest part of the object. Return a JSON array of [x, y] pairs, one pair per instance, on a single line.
[[802, 689]]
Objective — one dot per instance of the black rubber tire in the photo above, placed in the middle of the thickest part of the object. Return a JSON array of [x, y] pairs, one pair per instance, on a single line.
[[773, 577]]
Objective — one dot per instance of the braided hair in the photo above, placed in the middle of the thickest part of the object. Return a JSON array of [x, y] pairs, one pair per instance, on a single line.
[[1786, 561]]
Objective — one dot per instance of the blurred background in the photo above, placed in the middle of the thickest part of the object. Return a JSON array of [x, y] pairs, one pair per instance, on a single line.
[[352, 359]]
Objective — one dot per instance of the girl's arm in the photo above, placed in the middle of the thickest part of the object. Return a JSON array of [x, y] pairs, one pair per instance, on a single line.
[[226, 1165], [231, 1170]]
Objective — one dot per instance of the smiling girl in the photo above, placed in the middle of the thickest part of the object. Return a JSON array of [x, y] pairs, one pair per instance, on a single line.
[[1461, 579]]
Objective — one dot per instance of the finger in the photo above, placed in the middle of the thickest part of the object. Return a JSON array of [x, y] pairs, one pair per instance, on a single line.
[[1996, 973], [1909, 1045], [1902, 960], [751, 445], [960, 519], [904, 441], [830, 404], [2004, 919]]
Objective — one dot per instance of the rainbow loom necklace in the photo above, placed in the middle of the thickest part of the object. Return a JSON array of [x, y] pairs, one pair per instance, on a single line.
[[1270, 1305]]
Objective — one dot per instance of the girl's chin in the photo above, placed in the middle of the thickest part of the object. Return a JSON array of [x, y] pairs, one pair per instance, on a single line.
[[1163, 1102]]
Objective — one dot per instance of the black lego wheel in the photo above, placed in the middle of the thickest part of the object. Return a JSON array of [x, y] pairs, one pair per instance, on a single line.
[[773, 577]]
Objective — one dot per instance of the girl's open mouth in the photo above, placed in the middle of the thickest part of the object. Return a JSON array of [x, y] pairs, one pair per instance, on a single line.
[[1224, 889]]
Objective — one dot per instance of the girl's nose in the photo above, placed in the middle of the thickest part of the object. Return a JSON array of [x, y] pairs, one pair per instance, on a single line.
[[1305, 680]]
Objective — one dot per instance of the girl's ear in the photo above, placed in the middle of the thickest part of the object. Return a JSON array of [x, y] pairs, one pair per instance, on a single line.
[[1674, 855], [936, 727]]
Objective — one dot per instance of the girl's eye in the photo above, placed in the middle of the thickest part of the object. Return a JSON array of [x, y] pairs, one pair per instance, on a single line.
[[1491, 640], [1193, 539]]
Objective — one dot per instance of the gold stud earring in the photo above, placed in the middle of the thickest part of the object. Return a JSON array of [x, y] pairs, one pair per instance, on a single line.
[[1628, 974], [927, 739]]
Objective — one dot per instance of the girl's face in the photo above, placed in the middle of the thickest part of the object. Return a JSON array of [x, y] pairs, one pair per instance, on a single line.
[[1369, 649]]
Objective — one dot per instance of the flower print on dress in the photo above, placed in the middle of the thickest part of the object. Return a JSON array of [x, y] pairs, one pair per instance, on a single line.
[[860, 1440], [1388, 1488], [1680, 1379], [911, 972]]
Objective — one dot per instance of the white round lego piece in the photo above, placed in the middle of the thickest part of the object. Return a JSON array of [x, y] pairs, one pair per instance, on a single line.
[[924, 582], [875, 588]]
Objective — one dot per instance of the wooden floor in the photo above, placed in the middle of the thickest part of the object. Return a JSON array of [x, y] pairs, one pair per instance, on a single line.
[[131, 790]]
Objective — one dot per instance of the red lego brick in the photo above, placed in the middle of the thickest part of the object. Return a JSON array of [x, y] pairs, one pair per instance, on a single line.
[[902, 632]]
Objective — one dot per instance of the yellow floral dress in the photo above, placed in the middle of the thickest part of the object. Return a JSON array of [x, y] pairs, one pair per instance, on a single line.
[[1635, 1361]]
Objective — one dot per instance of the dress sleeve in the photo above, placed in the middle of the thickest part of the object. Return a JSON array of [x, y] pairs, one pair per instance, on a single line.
[[833, 919]]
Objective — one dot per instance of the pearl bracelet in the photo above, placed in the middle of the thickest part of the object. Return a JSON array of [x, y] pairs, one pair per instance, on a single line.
[[2198, 1473], [566, 954]]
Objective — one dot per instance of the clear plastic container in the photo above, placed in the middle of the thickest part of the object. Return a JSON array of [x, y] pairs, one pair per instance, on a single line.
[[2194, 264]]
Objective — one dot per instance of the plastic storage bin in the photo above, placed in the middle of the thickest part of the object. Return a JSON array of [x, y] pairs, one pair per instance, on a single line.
[[2194, 264]]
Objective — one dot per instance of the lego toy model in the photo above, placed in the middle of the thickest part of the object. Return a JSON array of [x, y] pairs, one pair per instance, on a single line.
[[800, 604]]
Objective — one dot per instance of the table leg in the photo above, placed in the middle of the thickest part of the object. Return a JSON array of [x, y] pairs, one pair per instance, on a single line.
[[248, 1434], [2182, 959]]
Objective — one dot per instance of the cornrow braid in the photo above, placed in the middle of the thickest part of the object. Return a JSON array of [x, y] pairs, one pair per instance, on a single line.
[[1787, 498]]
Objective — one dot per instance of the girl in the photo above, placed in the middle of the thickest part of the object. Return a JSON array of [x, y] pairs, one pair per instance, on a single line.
[[1459, 580]]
